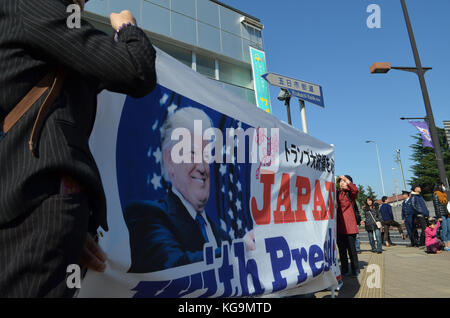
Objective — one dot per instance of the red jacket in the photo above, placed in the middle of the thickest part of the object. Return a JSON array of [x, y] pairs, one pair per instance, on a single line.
[[346, 220]]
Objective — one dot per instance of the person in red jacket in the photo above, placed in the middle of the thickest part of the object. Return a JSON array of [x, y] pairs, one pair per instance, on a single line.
[[347, 228]]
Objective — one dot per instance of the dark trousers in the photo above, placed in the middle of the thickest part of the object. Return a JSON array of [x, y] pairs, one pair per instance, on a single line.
[[346, 244], [37, 248], [433, 248], [420, 219], [388, 224], [411, 229]]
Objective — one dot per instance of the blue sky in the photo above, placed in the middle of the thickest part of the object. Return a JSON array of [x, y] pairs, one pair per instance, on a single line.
[[328, 42]]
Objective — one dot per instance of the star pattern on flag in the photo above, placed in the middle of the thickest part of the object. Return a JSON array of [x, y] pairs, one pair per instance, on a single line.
[[158, 155], [156, 181], [238, 205], [223, 170], [171, 109], [163, 99], [155, 125]]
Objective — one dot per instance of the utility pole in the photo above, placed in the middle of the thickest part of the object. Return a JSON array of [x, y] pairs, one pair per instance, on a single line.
[[399, 161]]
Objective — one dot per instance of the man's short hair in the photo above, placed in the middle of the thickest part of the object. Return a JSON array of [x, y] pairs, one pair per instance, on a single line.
[[183, 118], [383, 199], [405, 192]]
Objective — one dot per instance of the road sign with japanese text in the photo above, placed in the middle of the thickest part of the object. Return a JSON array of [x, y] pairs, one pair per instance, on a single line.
[[300, 89]]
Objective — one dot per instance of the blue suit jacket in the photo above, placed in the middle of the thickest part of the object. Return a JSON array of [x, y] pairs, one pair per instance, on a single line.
[[164, 235]]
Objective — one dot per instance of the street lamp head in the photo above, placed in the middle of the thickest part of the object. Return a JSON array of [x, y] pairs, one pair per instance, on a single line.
[[380, 68], [369, 141], [283, 95]]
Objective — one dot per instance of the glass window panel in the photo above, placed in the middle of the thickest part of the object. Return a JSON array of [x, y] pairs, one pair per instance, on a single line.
[[206, 65], [239, 91], [186, 7], [155, 19], [183, 29], [246, 51], [230, 21], [182, 55], [208, 37], [246, 29], [163, 3], [244, 93], [251, 96], [119, 5], [232, 45], [234, 74], [208, 12], [99, 7]]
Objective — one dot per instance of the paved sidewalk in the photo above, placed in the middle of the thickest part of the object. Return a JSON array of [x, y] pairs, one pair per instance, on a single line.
[[405, 272]]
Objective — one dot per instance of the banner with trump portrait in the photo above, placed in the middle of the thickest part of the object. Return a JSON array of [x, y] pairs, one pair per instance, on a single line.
[[209, 196]]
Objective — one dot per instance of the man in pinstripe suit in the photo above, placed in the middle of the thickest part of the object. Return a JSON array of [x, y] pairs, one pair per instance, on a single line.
[[51, 199]]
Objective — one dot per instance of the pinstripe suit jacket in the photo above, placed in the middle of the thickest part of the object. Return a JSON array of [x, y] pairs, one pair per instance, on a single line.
[[34, 38]]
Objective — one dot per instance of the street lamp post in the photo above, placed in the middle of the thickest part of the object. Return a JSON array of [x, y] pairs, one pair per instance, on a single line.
[[420, 71], [379, 165]]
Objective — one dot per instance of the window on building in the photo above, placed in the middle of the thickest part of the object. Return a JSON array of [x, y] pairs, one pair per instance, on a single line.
[[236, 75], [206, 66], [182, 55]]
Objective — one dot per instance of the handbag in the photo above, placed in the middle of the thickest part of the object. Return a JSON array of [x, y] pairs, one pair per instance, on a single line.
[[53, 81], [376, 222]]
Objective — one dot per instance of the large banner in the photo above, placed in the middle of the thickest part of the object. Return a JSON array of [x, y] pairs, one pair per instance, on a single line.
[[210, 196]]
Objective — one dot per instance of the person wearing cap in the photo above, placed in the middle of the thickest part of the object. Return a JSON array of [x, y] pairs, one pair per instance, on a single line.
[[347, 228], [51, 191], [420, 211], [408, 217]]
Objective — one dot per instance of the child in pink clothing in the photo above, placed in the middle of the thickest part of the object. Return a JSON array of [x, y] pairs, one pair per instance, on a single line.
[[434, 246]]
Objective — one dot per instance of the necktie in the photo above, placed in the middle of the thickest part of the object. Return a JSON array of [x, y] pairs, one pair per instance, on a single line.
[[202, 225]]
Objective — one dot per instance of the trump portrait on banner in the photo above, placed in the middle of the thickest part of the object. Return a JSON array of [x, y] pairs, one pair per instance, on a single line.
[[171, 232]]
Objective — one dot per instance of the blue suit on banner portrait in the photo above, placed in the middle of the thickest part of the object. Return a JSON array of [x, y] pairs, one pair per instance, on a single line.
[[164, 235]]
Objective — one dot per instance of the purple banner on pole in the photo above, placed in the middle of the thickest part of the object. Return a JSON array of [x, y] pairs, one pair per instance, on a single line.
[[422, 127]]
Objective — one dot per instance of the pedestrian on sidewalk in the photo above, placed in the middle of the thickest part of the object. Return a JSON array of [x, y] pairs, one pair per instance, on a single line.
[[420, 211], [434, 246], [440, 208], [408, 217], [346, 225], [388, 220], [373, 225]]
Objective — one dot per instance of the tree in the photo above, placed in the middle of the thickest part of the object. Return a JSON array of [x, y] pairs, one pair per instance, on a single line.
[[425, 171], [361, 199], [371, 193]]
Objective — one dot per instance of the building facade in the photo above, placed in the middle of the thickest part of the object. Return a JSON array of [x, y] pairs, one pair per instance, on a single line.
[[447, 130], [206, 35]]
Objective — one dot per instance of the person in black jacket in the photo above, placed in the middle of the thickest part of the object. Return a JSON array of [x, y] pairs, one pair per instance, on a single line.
[[372, 216], [440, 203], [51, 198]]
